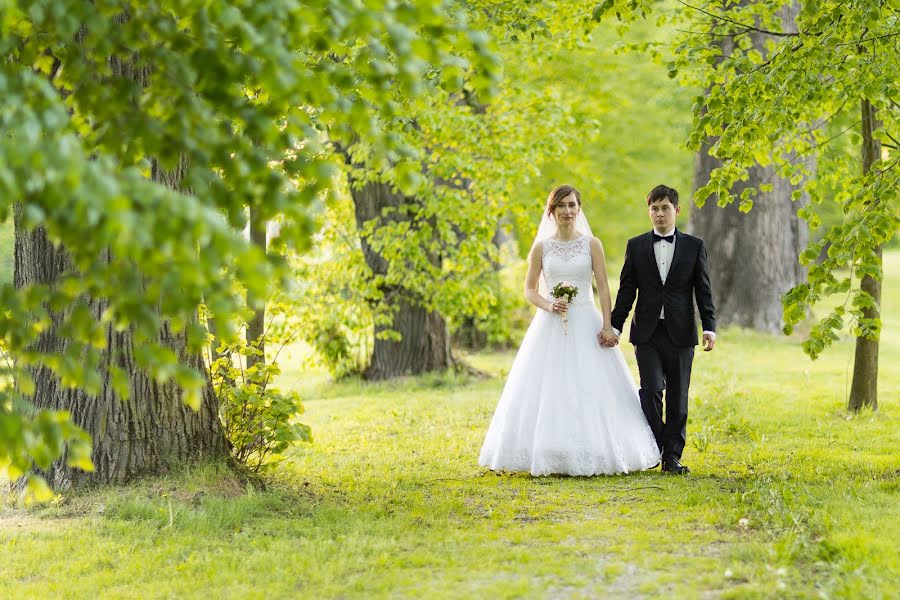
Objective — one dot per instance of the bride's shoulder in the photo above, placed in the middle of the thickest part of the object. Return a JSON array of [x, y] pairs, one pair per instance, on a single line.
[[595, 243]]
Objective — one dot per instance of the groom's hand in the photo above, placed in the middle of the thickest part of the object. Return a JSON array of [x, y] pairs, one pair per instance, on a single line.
[[709, 341]]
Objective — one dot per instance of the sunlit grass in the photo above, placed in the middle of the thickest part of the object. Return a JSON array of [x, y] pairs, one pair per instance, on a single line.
[[790, 497]]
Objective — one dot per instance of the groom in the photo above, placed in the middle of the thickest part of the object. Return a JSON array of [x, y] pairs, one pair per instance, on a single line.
[[666, 269]]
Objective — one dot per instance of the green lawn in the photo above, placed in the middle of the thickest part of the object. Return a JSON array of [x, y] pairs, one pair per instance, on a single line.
[[790, 497]]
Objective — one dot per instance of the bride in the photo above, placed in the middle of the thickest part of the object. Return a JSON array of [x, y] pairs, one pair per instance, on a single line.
[[570, 405]]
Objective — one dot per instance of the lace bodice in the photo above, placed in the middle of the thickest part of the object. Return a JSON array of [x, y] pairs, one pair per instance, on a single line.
[[571, 262]]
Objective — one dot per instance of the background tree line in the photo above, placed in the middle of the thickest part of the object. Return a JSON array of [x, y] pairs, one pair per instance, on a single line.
[[404, 152]]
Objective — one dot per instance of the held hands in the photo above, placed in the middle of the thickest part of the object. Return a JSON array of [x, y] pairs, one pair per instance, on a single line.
[[607, 338]]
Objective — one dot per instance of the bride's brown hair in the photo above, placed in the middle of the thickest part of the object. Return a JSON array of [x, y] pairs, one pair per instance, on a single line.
[[557, 195]]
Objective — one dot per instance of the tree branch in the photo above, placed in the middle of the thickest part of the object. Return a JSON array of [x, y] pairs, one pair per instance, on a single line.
[[865, 39], [738, 23], [713, 33]]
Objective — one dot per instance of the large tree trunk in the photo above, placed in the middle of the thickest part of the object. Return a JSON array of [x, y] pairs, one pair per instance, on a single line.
[[142, 435], [753, 256], [152, 429], [424, 343], [425, 339], [864, 388]]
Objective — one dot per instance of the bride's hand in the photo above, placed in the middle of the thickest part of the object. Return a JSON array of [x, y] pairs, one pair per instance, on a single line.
[[559, 307], [607, 338]]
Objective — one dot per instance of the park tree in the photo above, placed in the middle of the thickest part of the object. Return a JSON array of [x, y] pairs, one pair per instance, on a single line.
[[839, 65], [754, 253], [135, 139], [410, 239]]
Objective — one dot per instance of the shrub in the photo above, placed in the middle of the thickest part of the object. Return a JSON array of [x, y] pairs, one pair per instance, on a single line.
[[259, 421]]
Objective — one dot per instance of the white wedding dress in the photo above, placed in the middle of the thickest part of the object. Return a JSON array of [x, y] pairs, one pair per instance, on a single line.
[[569, 406]]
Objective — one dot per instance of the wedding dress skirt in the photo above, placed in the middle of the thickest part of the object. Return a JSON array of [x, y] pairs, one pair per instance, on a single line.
[[569, 406]]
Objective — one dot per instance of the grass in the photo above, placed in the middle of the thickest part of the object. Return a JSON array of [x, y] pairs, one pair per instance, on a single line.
[[790, 497]]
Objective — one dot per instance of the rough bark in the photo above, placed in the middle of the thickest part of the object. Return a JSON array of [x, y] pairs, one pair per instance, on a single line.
[[256, 326], [153, 428], [752, 257], [424, 344], [425, 339], [864, 388], [142, 435]]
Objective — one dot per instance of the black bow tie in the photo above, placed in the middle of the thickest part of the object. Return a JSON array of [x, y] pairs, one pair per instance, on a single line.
[[659, 238]]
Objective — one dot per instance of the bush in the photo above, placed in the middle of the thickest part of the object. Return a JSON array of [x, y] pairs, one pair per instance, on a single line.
[[259, 421]]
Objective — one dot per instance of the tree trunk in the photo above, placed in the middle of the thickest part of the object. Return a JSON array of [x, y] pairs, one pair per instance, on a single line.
[[753, 257], [424, 343], [256, 326], [142, 435], [864, 388], [425, 339]]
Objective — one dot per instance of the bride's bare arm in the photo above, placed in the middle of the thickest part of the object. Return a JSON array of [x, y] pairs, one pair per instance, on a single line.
[[533, 278], [599, 263]]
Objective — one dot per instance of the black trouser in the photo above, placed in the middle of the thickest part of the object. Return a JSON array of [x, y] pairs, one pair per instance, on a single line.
[[665, 366]]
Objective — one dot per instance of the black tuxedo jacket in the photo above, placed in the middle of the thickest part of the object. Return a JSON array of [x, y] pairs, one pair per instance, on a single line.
[[687, 279]]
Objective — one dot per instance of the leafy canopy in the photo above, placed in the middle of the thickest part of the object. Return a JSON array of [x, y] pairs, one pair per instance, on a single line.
[[100, 105], [794, 99]]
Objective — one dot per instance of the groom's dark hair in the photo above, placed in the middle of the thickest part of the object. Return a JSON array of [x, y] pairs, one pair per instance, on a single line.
[[661, 192]]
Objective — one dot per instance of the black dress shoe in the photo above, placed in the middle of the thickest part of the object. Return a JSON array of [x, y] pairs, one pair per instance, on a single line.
[[675, 467]]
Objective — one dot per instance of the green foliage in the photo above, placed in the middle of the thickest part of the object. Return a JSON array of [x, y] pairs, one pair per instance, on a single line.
[[259, 421], [630, 123], [467, 158], [509, 315], [490, 165], [96, 97], [36, 440], [6, 252], [783, 103]]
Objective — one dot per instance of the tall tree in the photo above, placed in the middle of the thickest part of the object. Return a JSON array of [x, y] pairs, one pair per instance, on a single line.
[[138, 425], [416, 339], [134, 139], [794, 101], [430, 213], [754, 253], [864, 389]]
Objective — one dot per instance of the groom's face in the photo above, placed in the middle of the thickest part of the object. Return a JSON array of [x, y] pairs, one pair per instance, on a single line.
[[662, 215]]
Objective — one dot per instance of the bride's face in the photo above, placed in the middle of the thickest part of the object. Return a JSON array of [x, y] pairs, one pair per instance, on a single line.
[[567, 210]]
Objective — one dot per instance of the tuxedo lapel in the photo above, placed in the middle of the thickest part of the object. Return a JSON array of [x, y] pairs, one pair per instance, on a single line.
[[680, 250], [651, 256]]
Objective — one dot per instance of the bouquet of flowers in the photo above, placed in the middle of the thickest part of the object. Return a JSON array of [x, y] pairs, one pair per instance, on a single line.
[[568, 291]]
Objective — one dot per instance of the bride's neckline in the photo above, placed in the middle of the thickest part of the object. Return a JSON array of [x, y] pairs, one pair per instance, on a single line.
[[559, 241]]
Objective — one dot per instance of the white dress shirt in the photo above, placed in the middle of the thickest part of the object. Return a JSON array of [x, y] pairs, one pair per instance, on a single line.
[[664, 251]]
